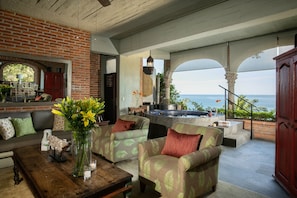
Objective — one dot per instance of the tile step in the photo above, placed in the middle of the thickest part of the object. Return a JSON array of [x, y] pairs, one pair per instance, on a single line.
[[236, 139]]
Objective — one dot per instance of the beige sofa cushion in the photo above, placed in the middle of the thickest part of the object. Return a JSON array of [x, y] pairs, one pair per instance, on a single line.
[[6, 128]]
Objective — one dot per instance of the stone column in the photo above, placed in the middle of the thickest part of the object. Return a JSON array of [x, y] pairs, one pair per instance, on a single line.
[[231, 78]]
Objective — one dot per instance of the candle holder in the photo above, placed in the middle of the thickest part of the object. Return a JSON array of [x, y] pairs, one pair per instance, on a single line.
[[93, 165], [87, 173]]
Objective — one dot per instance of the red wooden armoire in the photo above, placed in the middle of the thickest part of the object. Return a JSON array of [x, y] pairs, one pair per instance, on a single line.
[[54, 84], [286, 121]]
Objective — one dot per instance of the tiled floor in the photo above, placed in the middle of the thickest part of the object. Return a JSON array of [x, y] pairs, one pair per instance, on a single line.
[[251, 166]]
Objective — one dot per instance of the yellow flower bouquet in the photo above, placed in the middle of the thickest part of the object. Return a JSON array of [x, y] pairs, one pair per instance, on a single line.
[[81, 116]]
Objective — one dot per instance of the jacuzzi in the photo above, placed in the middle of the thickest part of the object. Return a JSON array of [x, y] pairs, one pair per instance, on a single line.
[[178, 112], [168, 117]]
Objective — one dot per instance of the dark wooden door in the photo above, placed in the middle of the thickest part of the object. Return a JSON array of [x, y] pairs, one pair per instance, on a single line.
[[286, 124], [53, 84], [294, 128], [110, 97], [283, 143]]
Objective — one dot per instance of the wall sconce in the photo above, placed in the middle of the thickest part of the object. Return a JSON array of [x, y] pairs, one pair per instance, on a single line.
[[149, 69]]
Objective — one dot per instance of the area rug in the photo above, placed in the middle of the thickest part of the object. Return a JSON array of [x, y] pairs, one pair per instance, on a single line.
[[224, 190]]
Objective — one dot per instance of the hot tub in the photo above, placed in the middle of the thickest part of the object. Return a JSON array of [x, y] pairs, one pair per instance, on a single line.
[[178, 112], [168, 117]]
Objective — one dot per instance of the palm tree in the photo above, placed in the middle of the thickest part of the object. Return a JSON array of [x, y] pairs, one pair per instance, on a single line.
[[245, 104]]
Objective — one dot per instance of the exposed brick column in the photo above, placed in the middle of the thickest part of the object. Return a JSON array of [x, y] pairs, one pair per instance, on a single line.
[[95, 80]]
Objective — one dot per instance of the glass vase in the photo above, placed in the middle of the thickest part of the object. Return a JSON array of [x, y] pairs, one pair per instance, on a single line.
[[81, 142]]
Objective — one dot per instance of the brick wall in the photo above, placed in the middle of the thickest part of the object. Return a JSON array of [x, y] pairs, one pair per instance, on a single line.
[[27, 107], [25, 35], [95, 80]]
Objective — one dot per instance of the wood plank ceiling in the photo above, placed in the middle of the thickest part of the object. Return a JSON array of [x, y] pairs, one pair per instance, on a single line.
[[121, 19]]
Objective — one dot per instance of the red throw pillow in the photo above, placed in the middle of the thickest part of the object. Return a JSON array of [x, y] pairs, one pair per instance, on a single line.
[[37, 98], [123, 125], [178, 144]]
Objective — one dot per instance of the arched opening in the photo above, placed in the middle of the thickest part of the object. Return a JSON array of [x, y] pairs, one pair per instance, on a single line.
[[21, 78], [198, 80], [257, 79], [31, 76]]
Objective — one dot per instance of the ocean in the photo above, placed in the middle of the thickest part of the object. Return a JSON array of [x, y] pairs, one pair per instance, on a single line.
[[211, 101]]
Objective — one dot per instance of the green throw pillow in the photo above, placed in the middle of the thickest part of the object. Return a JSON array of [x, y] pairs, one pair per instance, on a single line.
[[23, 126]]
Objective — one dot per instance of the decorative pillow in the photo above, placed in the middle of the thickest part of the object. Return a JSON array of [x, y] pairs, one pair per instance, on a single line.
[[23, 126], [123, 125], [59, 123], [6, 128], [42, 120], [37, 98], [178, 144]]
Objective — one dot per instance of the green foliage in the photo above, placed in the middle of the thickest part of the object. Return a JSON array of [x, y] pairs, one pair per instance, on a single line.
[[183, 103], [10, 72], [243, 108], [174, 94], [264, 116], [4, 91], [257, 115], [244, 103], [4, 88], [197, 106], [162, 87], [221, 110]]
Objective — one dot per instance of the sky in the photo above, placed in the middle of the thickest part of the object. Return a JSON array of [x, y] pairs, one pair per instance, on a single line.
[[207, 81]]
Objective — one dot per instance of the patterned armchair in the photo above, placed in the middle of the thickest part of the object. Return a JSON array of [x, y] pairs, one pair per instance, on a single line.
[[119, 146], [191, 175]]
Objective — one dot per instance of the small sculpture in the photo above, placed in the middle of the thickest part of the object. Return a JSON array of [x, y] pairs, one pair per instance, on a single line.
[[58, 146]]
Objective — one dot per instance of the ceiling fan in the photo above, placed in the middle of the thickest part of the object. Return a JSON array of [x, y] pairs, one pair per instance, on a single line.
[[104, 3]]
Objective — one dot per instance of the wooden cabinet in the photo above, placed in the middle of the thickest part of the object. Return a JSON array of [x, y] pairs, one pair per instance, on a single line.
[[286, 124]]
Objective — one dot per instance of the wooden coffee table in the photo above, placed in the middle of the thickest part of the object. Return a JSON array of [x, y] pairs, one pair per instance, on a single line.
[[48, 178]]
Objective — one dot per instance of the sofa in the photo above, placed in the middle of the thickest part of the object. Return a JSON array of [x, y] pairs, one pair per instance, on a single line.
[[177, 174], [41, 120], [118, 145]]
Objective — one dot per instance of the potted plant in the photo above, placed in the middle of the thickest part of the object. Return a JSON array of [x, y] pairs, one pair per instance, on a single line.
[[4, 91]]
